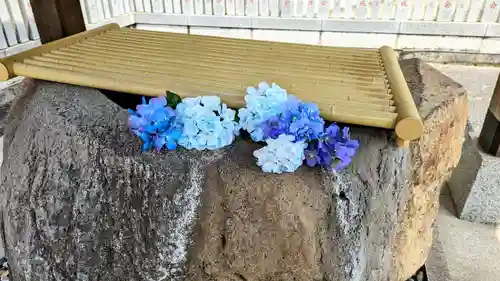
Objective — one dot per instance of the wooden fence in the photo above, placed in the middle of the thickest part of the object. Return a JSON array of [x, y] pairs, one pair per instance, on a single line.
[[461, 25], [18, 30], [439, 25], [399, 10]]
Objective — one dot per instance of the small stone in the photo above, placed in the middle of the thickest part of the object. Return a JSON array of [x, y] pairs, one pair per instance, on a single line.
[[420, 276]]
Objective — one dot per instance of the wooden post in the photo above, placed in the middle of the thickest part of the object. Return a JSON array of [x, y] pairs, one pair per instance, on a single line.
[[57, 19], [489, 139]]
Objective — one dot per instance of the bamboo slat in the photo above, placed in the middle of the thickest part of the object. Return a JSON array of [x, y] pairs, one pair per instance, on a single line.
[[355, 86]]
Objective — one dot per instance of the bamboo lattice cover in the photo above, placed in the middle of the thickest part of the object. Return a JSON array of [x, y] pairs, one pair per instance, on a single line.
[[356, 86]]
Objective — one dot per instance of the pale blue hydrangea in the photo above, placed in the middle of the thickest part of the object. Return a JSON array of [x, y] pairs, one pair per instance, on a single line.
[[207, 124], [281, 155], [261, 104]]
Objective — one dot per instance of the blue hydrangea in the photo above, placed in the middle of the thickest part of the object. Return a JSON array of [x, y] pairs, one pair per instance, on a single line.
[[207, 124], [333, 150], [155, 124], [302, 120], [261, 104], [280, 155]]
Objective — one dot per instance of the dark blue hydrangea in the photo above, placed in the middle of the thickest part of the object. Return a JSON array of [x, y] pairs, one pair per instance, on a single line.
[[333, 150], [298, 119], [155, 124]]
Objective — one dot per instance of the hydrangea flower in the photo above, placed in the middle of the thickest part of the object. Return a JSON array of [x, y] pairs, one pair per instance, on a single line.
[[207, 124], [262, 103], [333, 150], [345, 149], [155, 124], [280, 155], [302, 120]]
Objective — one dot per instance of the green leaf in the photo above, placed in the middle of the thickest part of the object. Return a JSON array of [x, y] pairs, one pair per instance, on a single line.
[[335, 162], [236, 117], [173, 99]]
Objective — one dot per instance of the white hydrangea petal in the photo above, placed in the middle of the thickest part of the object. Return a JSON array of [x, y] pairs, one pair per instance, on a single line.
[[263, 86], [211, 103], [280, 155], [252, 91]]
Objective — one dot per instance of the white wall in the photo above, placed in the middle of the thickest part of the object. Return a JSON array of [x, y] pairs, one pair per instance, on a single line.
[[399, 10], [18, 30], [346, 39], [438, 25]]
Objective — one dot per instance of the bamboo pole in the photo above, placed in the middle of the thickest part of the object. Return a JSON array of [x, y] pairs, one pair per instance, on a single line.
[[237, 75], [362, 87], [170, 66], [250, 42], [125, 84], [408, 126], [6, 64], [138, 75], [230, 70], [351, 66], [236, 45]]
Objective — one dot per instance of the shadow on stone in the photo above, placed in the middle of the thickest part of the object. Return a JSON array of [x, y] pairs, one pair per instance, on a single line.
[[124, 100], [474, 184]]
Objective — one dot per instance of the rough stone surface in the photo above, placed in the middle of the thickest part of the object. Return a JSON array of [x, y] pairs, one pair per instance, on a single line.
[[474, 185], [442, 104], [80, 202], [8, 90], [452, 57], [305, 225], [477, 172]]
